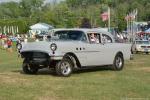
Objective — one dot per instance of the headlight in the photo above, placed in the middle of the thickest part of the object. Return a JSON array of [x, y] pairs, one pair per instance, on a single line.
[[53, 46], [19, 46]]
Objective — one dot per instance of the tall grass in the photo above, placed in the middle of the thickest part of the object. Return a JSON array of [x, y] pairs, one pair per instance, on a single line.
[[132, 83]]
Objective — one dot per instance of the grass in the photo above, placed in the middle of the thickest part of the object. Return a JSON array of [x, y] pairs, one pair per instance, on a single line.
[[132, 83]]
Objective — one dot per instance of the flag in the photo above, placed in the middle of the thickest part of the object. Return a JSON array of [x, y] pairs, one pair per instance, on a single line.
[[127, 17], [136, 12], [132, 15], [105, 16]]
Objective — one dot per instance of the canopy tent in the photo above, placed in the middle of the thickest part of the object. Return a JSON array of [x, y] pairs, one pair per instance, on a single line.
[[147, 31], [40, 28]]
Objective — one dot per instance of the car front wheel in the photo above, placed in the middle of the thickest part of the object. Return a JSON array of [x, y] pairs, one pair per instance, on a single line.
[[64, 67], [28, 69], [118, 62]]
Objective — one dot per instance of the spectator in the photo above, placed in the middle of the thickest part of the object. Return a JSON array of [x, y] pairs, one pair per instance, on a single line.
[[93, 38], [9, 44], [4, 42]]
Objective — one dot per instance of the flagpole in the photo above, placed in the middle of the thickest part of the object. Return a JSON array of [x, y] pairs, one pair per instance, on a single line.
[[108, 18], [127, 23]]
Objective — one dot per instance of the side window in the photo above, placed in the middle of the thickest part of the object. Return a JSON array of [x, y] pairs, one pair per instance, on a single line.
[[94, 37], [83, 38], [106, 38]]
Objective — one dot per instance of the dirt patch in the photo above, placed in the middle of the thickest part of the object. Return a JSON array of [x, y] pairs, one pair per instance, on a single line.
[[146, 69], [49, 95], [47, 98], [11, 79]]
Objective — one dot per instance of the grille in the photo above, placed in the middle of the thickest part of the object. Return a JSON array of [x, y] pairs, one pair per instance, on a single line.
[[34, 55]]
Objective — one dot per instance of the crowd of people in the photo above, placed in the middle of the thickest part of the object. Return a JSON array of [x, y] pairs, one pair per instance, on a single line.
[[6, 43], [143, 36]]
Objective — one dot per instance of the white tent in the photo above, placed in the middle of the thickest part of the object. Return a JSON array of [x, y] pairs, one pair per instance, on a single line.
[[40, 28]]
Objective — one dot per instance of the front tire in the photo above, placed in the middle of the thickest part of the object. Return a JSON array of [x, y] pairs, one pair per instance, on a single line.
[[28, 69], [64, 67], [118, 62]]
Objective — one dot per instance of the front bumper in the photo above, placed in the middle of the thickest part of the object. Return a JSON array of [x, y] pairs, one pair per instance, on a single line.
[[143, 50], [39, 61], [40, 58], [56, 57]]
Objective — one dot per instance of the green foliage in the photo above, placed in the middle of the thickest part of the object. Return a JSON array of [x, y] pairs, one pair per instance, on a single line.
[[70, 12], [30, 6], [10, 10], [85, 23]]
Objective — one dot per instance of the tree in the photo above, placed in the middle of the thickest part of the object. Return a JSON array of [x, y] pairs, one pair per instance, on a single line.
[[85, 23], [30, 7], [10, 10]]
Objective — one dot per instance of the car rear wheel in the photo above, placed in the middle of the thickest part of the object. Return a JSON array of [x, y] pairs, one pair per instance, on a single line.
[[118, 62], [28, 69], [64, 67], [147, 52], [136, 52]]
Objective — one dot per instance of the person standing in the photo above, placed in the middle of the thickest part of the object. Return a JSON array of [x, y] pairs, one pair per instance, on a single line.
[[9, 44]]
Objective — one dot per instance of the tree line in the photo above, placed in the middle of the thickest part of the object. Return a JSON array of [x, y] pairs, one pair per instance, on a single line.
[[70, 13]]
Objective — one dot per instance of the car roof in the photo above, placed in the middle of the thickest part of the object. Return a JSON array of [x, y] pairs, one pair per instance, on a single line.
[[85, 30]]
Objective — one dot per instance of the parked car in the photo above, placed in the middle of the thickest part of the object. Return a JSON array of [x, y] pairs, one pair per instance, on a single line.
[[73, 49], [141, 46]]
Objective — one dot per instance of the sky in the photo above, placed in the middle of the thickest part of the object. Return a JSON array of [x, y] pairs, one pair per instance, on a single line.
[[19, 0], [8, 0]]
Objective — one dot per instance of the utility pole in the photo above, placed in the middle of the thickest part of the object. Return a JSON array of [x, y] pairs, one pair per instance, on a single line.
[[109, 19]]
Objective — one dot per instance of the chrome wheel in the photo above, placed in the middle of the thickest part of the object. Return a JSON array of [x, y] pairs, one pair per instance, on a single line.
[[118, 62], [65, 68]]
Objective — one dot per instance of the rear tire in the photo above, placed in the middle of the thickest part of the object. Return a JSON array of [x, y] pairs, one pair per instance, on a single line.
[[64, 67], [28, 69], [136, 52], [118, 62], [147, 53]]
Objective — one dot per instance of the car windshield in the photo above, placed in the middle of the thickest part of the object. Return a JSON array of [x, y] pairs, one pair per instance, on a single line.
[[142, 42], [70, 35]]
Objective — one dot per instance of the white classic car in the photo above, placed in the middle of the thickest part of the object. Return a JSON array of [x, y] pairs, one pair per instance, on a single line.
[[141, 46], [73, 49]]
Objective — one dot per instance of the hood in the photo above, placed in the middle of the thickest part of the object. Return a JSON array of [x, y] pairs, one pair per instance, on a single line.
[[44, 46], [36, 46]]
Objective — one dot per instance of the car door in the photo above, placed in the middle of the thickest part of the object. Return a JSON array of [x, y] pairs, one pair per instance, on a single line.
[[94, 50], [99, 53]]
